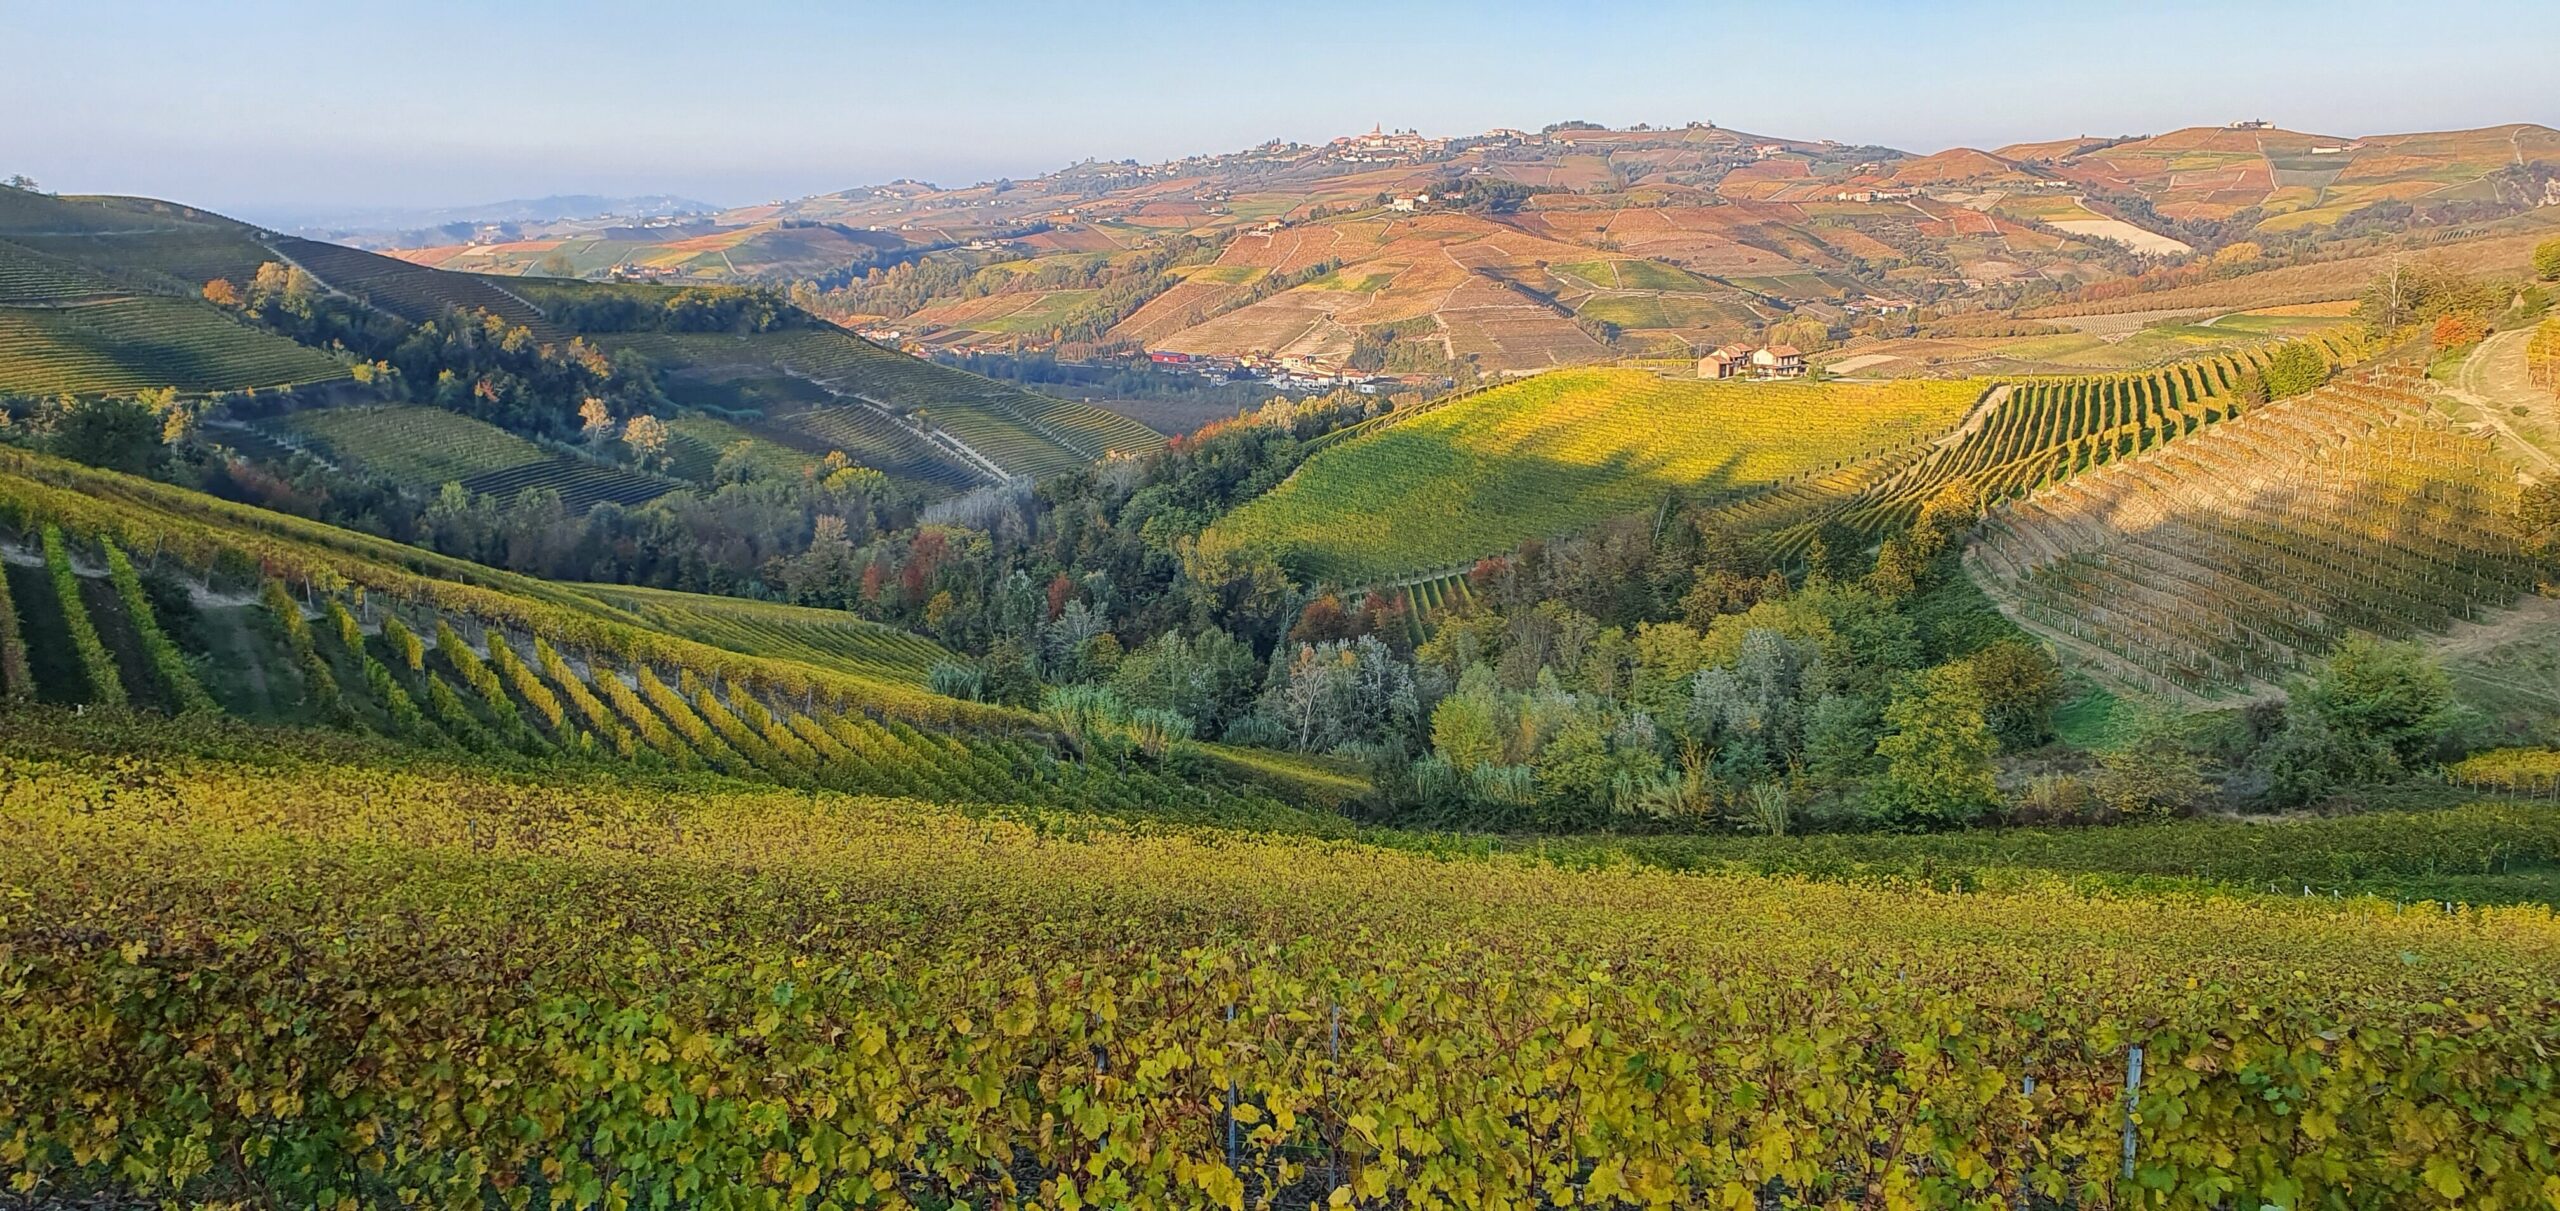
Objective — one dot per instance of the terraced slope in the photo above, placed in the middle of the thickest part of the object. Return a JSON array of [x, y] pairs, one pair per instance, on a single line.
[[140, 244], [1020, 432], [872, 438], [367, 636], [30, 277], [1557, 452], [829, 639], [413, 293], [2044, 430], [696, 445], [120, 345], [236, 548], [2226, 559], [424, 447]]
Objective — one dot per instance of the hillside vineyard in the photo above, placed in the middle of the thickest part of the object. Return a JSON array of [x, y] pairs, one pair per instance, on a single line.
[[1658, 667]]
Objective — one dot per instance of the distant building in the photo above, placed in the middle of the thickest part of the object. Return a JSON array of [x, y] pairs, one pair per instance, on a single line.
[[2252, 124], [1728, 361], [1777, 361]]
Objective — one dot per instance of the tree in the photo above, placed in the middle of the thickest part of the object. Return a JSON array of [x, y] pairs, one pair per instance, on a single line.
[[2546, 260], [647, 436], [2455, 329], [2020, 685], [2296, 367], [1466, 728], [117, 434], [1208, 679], [2151, 773], [2385, 696], [1807, 335], [595, 419], [1937, 755], [221, 293], [2240, 253]]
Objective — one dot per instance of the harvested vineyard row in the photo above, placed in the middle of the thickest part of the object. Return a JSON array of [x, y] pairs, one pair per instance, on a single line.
[[870, 439], [411, 292], [582, 485], [121, 346], [1550, 454], [426, 447], [2041, 431], [696, 444], [825, 638], [692, 980], [798, 697], [1425, 600], [413, 444], [27, 276], [1024, 433], [2534, 771], [236, 547], [2226, 559]]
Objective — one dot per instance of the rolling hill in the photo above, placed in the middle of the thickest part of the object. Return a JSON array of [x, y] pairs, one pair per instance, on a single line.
[[1568, 246], [2216, 563], [91, 303], [102, 296], [292, 622], [1555, 453]]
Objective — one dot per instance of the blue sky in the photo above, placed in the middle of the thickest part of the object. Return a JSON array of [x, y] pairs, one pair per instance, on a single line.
[[274, 108]]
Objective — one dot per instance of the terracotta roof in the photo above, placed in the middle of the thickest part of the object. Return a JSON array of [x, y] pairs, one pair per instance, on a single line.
[[1785, 351]]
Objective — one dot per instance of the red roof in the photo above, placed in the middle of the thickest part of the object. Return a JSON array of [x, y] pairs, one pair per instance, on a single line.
[[1785, 351]]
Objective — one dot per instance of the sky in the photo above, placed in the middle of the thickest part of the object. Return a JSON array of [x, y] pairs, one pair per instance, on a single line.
[[290, 110]]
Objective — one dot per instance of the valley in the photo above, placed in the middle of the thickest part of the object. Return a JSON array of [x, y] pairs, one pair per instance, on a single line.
[[1648, 666]]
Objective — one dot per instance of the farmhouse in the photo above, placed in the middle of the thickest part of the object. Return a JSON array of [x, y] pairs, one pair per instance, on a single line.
[[1743, 361], [1777, 361]]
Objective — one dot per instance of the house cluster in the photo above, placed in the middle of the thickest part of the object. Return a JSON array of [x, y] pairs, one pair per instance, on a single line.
[[1380, 147], [1874, 195], [1409, 205], [1284, 373], [1745, 361]]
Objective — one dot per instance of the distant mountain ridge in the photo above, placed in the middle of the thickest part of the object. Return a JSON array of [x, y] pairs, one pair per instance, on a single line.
[[391, 224]]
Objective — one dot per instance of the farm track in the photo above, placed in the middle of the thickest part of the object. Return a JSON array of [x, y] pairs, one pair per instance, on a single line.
[[2493, 379]]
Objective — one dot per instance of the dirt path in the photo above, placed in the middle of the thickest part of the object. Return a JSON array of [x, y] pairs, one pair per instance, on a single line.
[[2494, 379], [2531, 616]]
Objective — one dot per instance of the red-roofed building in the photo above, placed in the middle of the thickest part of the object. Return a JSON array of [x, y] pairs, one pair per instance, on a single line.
[[1778, 361]]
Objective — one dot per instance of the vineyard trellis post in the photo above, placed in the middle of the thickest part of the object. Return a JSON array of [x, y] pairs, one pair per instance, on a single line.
[[2132, 1102], [1231, 1094]]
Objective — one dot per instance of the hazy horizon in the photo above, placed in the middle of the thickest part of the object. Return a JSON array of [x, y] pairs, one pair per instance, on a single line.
[[479, 103]]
